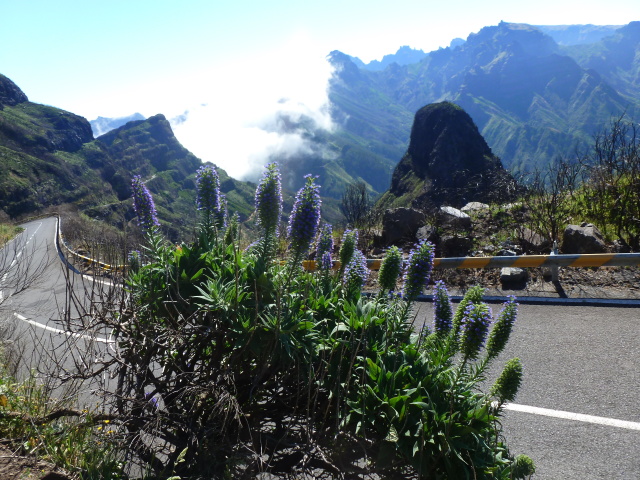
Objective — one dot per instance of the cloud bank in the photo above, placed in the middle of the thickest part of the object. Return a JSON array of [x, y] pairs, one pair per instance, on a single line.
[[256, 110]]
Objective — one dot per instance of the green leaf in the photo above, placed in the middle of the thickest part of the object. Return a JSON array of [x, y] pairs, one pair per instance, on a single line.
[[197, 275]]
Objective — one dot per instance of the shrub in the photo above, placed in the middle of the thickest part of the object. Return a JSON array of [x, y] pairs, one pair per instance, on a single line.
[[229, 364]]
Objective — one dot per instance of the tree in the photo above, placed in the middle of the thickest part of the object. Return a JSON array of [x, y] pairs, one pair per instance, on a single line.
[[356, 204], [612, 190]]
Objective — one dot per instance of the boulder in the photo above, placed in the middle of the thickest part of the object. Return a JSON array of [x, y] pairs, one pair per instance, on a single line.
[[454, 246], [450, 217], [401, 224], [427, 232], [533, 242], [474, 206], [584, 238], [513, 275]]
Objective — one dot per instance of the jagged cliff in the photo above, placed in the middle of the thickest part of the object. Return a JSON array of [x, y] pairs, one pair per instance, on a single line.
[[447, 162]]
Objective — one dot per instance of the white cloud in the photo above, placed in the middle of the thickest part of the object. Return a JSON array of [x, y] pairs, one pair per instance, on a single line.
[[247, 111]]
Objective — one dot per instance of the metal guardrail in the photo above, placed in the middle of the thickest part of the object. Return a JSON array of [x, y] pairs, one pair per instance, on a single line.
[[104, 266], [522, 261]]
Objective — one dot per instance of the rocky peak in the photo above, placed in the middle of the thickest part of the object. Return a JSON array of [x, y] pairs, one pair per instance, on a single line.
[[447, 161], [10, 93]]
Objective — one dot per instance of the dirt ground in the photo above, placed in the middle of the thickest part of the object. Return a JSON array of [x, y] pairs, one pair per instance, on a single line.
[[16, 467]]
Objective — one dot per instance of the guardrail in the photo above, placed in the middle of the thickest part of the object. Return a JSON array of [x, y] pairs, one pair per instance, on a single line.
[[522, 261], [91, 261]]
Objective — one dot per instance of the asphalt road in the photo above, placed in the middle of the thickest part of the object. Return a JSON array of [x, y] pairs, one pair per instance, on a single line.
[[582, 360], [577, 360], [34, 279]]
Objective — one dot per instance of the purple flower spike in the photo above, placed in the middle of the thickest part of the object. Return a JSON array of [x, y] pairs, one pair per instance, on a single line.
[[208, 186], [326, 262], [501, 331], [418, 270], [305, 217], [269, 200], [390, 269], [443, 312], [143, 206], [325, 241], [475, 325], [356, 272]]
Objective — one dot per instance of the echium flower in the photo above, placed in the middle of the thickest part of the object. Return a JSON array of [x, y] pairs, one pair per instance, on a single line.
[[347, 247], [390, 269], [475, 325], [508, 383], [305, 217], [501, 330], [442, 310], [356, 272], [143, 206], [222, 214], [326, 262], [269, 200], [418, 271], [325, 241], [208, 188]]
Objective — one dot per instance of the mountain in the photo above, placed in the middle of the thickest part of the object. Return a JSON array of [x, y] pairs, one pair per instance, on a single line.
[[49, 157], [447, 162], [577, 34], [404, 56], [102, 125], [616, 58], [532, 99]]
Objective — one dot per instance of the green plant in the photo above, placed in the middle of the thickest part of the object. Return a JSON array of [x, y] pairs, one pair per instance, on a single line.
[[81, 442], [230, 363]]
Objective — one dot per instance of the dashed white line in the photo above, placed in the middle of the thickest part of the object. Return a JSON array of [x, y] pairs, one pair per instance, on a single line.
[[578, 417], [63, 332]]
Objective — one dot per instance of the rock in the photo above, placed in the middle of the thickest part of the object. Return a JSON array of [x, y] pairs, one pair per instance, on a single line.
[[10, 93], [533, 242], [513, 275], [427, 232], [453, 246], [401, 224], [447, 160], [450, 217], [584, 238], [474, 206]]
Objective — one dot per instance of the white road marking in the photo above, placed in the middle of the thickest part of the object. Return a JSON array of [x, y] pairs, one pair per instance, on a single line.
[[63, 332], [579, 417]]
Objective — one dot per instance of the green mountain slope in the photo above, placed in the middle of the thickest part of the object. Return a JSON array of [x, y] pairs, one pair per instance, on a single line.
[[49, 157], [529, 98]]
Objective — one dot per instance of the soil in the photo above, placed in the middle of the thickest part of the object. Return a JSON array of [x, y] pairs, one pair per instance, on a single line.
[[17, 467]]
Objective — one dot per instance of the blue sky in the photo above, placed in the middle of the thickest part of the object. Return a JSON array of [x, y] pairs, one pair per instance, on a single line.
[[229, 64]]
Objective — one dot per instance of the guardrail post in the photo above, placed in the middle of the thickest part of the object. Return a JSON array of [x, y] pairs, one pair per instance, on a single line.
[[554, 268]]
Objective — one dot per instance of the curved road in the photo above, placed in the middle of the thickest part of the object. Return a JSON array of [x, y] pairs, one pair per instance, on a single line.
[[33, 288], [578, 410]]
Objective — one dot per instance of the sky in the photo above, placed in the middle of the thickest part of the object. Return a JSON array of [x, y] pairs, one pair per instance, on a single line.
[[221, 71]]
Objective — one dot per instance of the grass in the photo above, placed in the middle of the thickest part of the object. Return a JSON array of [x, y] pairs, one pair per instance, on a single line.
[[82, 443], [8, 231]]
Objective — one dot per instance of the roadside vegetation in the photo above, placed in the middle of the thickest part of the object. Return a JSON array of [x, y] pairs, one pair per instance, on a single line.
[[232, 364], [7, 232]]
